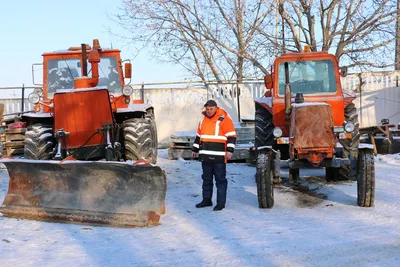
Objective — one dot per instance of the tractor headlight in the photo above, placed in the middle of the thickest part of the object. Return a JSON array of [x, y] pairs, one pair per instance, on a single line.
[[38, 91], [349, 127], [338, 129], [127, 90], [277, 132], [33, 98]]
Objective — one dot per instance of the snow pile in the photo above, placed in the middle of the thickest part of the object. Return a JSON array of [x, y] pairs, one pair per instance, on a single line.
[[311, 225]]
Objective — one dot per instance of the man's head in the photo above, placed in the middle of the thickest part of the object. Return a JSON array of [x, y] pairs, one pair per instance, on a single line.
[[211, 107]]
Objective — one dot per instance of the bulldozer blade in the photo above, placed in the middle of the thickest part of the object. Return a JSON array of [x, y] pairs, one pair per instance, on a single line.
[[113, 193]]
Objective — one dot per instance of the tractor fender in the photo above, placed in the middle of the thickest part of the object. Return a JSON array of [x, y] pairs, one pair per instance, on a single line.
[[136, 108], [365, 146], [348, 98], [267, 148], [37, 115], [265, 102]]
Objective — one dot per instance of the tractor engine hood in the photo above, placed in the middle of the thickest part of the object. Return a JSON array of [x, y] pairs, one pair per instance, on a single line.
[[311, 130]]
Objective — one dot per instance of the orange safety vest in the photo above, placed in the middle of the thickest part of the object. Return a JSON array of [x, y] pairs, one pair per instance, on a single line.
[[215, 136]]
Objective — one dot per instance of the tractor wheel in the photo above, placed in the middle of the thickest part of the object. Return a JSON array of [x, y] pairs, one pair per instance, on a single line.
[[139, 140], [331, 174], [264, 127], [154, 137], [294, 175], [264, 178], [39, 142], [350, 114], [366, 179]]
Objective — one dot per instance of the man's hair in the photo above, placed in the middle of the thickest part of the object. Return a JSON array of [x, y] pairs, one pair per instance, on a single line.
[[210, 103]]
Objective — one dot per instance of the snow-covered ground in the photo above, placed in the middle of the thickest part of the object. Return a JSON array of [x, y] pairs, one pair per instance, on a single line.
[[318, 224]]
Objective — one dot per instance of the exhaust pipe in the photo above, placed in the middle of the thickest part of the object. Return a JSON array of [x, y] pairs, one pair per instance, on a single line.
[[84, 60], [288, 92], [94, 59]]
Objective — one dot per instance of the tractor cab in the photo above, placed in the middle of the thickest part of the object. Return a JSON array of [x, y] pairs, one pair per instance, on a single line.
[[83, 68], [60, 73], [61, 68], [315, 76], [309, 77]]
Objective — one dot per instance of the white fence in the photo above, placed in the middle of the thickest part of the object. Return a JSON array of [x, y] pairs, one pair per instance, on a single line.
[[378, 96], [12, 105], [179, 109]]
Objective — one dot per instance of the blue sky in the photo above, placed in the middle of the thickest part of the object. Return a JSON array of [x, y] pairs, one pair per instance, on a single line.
[[29, 28]]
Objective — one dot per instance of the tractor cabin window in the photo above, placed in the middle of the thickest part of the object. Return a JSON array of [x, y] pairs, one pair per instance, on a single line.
[[311, 77], [62, 72], [109, 75]]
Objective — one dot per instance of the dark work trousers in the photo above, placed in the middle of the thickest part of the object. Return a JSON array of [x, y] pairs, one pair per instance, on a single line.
[[218, 170]]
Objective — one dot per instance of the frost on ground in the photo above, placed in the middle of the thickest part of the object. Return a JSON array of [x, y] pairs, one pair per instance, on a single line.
[[314, 224]]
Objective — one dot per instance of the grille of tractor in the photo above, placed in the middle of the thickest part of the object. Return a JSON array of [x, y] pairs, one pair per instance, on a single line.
[[82, 113], [311, 126]]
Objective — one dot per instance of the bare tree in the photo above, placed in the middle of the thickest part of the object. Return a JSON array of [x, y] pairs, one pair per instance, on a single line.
[[211, 39], [397, 49], [237, 39], [359, 32]]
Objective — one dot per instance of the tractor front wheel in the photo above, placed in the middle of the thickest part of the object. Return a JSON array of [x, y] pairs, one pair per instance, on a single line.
[[140, 139], [154, 137], [264, 178], [39, 142], [366, 179]]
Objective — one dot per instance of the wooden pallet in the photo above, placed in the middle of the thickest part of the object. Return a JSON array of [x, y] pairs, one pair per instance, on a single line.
[[3, 141], [180, 143], [14, 141]]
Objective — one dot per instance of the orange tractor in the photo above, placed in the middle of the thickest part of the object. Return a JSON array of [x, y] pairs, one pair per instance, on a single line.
[[89, 148], [306, 119]]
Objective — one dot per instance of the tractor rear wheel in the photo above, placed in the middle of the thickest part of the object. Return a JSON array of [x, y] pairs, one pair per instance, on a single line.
[[331, 174], [140, 139], [39, 142], [264, 127], [350, 115], [264, 178], [263, 131], [366, 179]]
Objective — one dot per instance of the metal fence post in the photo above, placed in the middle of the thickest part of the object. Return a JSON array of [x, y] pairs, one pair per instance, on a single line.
[[142, 92], [361, 82], [23, 98], [238, 102]]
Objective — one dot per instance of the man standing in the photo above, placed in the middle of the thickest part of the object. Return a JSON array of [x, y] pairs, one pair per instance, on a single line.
[[215, 142]]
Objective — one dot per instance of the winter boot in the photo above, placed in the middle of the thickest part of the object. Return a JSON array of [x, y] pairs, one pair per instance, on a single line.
[[206, 202], [219, 207]]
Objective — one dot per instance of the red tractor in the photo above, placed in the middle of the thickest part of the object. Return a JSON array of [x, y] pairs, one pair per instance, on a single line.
[[83, 145], [72, 118], [306, 119]]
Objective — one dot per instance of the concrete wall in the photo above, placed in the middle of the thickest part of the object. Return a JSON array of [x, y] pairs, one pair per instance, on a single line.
[[179, 109]]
